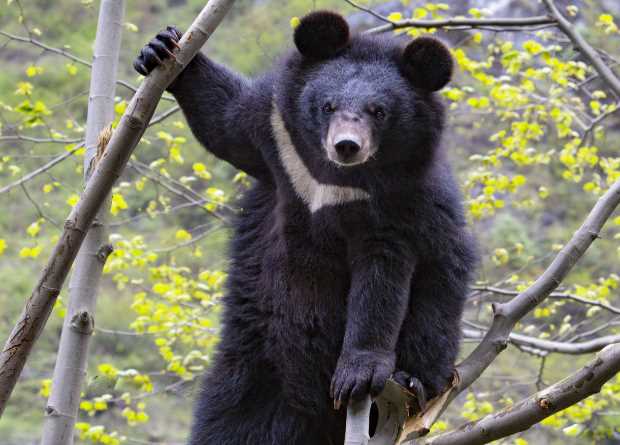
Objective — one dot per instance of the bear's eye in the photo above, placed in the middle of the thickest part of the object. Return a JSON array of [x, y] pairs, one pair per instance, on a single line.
[[379, 113], [328, 108]]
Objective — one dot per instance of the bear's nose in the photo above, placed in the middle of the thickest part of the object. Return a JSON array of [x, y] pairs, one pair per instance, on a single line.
[[347, 148]]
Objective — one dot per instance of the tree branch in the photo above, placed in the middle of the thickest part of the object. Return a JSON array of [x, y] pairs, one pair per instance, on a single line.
[[19, 137], [70, 369], [519, 417], [584, 47], [554, 295], [124, 140], [455, 22], [59, 51], [66, 54], [28, 177], [506, 315], [38, 171], [561, 347]]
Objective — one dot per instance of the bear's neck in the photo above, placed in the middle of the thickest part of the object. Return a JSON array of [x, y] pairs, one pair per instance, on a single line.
[[314, 194]]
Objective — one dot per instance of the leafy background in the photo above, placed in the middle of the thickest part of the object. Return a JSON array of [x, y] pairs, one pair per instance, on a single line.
[[532, 135]]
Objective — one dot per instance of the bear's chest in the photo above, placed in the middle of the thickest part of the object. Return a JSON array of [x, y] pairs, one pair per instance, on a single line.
[[306, 259]]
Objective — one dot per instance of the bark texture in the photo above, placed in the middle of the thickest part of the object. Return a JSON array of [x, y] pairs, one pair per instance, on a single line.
[[70, 370]]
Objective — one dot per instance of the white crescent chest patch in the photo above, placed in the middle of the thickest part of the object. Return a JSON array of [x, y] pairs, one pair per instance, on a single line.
[[314, 194]]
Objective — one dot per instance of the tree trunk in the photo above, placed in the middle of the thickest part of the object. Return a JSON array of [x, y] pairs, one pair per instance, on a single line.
[[70, 370]]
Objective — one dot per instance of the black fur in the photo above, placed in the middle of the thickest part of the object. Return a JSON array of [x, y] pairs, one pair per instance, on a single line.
[[422, 53], [321, 34], [331, 303]]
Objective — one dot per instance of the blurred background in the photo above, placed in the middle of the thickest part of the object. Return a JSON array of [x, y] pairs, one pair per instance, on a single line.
[[532, 136]]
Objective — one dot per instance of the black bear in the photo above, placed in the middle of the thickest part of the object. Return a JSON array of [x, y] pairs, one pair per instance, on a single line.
[[350, 258]]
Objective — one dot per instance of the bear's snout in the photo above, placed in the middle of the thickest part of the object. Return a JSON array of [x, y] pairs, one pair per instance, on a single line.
[[349, 140]]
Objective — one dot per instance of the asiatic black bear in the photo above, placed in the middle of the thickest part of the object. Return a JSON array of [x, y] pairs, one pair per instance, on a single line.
[[351, 257]]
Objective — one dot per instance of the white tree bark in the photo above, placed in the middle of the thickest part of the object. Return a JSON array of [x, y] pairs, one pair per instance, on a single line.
[[119, 149], [70, 370]]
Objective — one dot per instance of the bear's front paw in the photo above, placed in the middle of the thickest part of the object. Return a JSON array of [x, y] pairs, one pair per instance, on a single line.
[[360, 373], [157, 50]]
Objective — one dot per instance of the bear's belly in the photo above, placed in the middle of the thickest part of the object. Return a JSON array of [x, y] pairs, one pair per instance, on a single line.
[[304, 286], [307, 318]]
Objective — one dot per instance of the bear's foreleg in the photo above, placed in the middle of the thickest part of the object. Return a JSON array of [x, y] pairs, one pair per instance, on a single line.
[[222, 108], [377, 303]]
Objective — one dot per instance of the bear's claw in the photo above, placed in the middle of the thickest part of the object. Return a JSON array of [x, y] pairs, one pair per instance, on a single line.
[[160, 48], [414, 386]]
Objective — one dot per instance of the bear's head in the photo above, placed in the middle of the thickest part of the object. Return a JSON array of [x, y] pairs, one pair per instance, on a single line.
[[365, 99]]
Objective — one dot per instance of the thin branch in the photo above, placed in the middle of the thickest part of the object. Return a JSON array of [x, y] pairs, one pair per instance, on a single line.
[[115, 332], [164, 115], [495, 24], [519, 417], [156, 120], [370, 11], [190, 242], [561, 347], [18, 137], [600, 118], [142, 215], [66, 54], [181, 190], [610, 324], [554, 295], [37, 207], [584, 47], [540, 383], [40, 170]]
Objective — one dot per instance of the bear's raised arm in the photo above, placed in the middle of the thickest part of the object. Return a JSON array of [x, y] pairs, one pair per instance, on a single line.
[[222, 108]]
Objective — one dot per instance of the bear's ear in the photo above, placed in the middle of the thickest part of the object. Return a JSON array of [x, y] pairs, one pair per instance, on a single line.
[[427, 63], [321, 34]]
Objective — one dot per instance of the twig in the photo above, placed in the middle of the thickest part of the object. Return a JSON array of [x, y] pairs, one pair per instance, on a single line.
[[192, 241], [18, 137], [456, 22], [179, 189], [561, 347], [40, 170], [598, 119], [584, 47], [156, 120], [555, 295], [370, 11], [164, 115], [66, 54], [36, 206], [139, 216]]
